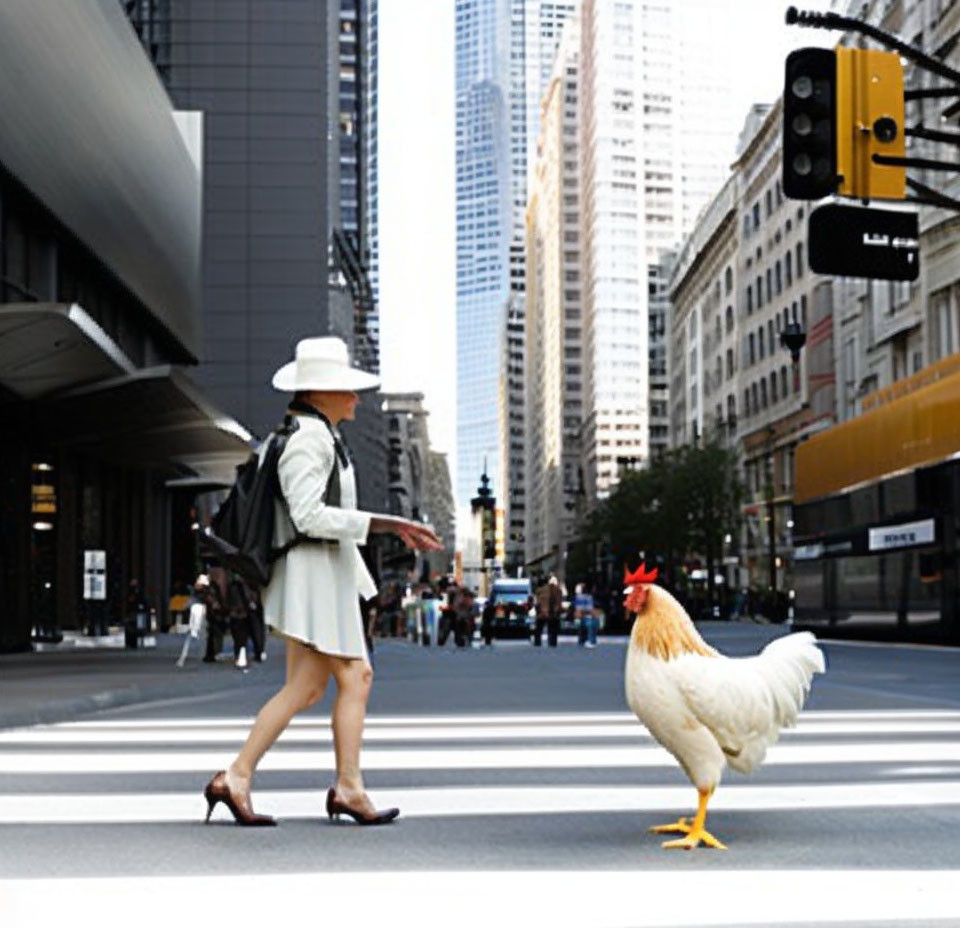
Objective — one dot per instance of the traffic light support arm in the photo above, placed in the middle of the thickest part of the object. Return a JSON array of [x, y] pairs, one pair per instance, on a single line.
[[927, 93], [927, 163], [934, 135], [795, 17], [930, 197]]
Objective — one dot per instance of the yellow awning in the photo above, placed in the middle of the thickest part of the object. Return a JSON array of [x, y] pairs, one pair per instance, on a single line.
[[919, 427]]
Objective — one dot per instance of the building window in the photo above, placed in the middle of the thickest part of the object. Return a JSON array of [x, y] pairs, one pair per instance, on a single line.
[[799, 259], [763, 394], [773, 386], [788, 267], [728, 281], [729, 319], [749, 300], [760, 345], [729, 363], [783, 382], [752, 350], [777, 272], [759, 292]]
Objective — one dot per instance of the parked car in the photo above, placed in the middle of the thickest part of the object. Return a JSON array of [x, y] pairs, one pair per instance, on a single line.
[[512, 599]]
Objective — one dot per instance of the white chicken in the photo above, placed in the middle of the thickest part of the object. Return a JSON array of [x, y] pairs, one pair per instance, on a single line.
[[706, 709]]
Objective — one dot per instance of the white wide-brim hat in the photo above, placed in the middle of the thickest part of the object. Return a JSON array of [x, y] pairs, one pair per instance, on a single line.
[[322, 364]]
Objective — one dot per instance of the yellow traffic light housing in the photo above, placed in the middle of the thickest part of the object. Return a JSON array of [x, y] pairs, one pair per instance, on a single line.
[[869, 121]]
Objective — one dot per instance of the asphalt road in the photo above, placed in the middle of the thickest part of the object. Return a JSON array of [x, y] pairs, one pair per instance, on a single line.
[[527, 790]]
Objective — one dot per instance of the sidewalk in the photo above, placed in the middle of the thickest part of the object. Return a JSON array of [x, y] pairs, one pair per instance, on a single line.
[[62, 684]]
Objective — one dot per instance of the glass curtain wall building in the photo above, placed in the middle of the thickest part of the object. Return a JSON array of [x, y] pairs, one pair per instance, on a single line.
[[535, 30], [483, 232]]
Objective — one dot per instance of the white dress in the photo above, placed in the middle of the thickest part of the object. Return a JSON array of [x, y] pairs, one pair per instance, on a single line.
[[314, 589]]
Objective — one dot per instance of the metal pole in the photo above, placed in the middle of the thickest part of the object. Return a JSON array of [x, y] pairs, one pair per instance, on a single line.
[[771, 526]]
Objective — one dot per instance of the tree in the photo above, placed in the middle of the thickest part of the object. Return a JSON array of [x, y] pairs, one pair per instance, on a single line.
[[681, 505]]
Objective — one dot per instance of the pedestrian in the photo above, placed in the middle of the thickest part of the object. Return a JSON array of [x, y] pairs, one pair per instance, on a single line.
[[448, 614], [196, 612], [487, 617], [209, 593], [312, 598], [463, 618], [239, 607], [549, 602], [431, 616], [584, 611], [258, 629]]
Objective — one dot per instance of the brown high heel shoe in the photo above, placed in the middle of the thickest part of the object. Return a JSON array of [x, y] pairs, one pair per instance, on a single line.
[[218, 791], [336, 808]]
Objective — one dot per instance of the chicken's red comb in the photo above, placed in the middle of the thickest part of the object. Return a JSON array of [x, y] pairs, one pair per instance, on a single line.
[[641, 575]]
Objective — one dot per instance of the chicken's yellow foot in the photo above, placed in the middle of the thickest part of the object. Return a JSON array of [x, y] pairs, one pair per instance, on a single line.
[[681, 826], [693, 839], [695, 833]]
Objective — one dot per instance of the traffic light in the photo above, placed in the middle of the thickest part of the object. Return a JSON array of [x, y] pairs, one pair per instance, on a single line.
[[809, 124], [870, 122], [841, 108]]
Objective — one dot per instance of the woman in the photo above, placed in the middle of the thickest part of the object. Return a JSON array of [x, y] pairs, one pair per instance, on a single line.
[[313, 598]]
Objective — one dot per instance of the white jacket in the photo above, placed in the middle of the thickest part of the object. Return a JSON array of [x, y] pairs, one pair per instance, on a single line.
[[314, 589]]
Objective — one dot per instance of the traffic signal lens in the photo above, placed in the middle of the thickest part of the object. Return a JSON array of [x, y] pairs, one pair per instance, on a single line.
[[802, 124], [809, 143], [802, 87]]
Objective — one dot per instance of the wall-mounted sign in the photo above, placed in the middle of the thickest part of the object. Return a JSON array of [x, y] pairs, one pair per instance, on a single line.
[[850, 241], [94, 574], [907, 535], [807, 552]]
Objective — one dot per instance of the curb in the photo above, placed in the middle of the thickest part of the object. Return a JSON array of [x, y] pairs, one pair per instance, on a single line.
[[67, 710]]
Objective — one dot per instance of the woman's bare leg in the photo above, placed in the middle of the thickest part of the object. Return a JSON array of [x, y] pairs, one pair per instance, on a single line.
[[307, 676], [354, 679]]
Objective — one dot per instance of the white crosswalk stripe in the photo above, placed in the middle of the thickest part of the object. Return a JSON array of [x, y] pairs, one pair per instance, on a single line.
[[913, 760]]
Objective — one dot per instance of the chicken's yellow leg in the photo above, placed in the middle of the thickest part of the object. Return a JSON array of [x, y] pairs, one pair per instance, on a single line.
[[695, 833]]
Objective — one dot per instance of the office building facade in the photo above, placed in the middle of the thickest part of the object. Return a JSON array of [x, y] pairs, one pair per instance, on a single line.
[[554, 373], [99, 314], [656, 138], [282, 88]]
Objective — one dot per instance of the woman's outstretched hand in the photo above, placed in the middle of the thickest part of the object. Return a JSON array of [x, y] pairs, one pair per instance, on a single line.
[[412, 534]]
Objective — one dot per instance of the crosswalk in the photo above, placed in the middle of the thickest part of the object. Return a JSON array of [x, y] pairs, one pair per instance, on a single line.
[[529, 817]]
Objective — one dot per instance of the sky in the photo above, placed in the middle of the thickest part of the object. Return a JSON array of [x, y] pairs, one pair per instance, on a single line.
[[416, 183]]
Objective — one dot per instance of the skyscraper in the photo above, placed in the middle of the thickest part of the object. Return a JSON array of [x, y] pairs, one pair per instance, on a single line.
[[656, 136], [535, 29], [505, 51], [283, 89], [554, 385], [483, 231], [287, 198]]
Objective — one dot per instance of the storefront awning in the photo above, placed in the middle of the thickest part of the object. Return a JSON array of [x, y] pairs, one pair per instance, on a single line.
[[914, 423], [49, 347], [153, 417]]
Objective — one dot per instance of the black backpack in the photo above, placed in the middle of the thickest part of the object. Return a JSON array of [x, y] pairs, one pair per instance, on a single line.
[[240, 534]]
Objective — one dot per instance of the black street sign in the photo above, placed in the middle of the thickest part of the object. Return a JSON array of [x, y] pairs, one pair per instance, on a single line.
[[854, 241]]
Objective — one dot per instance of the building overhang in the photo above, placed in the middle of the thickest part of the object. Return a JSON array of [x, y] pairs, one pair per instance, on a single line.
[[88, 129], [156, 417], [49, 347]]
